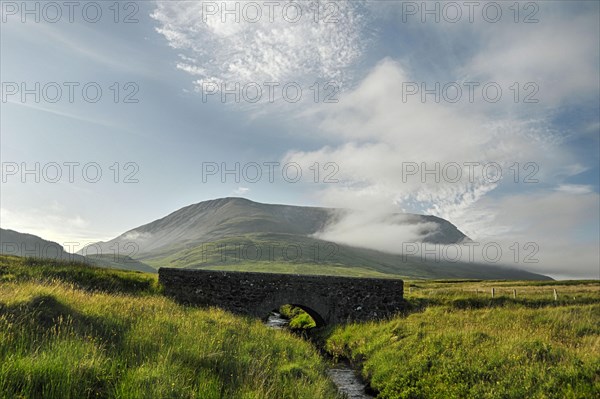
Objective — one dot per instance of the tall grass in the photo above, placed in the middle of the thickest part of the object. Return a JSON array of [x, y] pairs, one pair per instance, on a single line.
[[81, 275], [59, 340], [299, 319], [459, 344], [75, 331]]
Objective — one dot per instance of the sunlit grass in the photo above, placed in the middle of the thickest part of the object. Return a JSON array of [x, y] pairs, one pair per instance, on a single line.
[[75, 331], [464, 344], [58, 340], [299, 319], [302, 268]]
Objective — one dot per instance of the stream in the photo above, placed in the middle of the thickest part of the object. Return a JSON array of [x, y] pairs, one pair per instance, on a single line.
[[341, 373]]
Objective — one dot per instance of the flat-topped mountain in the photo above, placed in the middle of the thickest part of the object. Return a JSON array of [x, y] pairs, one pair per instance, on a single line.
[[239, 234], [213, 220]]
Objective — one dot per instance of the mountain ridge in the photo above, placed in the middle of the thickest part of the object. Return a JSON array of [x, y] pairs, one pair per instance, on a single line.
[[235, 233], [209, 234], [238, 216]]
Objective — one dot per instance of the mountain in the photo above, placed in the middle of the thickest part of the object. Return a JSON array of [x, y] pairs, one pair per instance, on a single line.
[[239, 234]]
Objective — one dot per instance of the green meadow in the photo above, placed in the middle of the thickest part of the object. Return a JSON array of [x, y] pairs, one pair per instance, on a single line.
[[74, 331], [71, 330], [456, 341]]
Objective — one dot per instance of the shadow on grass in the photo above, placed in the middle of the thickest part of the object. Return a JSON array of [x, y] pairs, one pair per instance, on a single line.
[[43, 313]]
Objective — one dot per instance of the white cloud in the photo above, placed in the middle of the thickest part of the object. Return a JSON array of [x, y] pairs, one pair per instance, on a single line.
[[559, 54], [575, 188], [137, 236], [105, 50], [553, 233], [270, 50], [375, 230], [241, 191], [382, 136], [565, 226], [377, 135]]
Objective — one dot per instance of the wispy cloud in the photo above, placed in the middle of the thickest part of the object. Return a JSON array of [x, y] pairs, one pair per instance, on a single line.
[[55, 110], [241, 191], [106, 52], [275, 48]]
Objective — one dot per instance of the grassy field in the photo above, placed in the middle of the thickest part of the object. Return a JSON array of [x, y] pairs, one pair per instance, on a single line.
[[458, 342], [301, 254], [302, 268], [73, 331]]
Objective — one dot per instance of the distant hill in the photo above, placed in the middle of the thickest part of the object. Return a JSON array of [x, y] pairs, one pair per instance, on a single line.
[[119, 262], [23, 244], [239, 234]]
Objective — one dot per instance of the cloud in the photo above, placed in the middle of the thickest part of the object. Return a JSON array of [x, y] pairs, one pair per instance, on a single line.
[[376, 139], [375, 230], [137, 236], [106, 51], [227, 48], [54, 110], [381, 136], [559, 54], [563, 224], [241, 191], [439, 156], [575, 188], [552, 232]]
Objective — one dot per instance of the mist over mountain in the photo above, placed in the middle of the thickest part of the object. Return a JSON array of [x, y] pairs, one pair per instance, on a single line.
[[212, 220], [236, 234]]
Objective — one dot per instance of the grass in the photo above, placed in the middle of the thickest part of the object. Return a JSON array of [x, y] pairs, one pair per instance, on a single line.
[[302, 268], [70, 330], [67, 332], [81, 275], [460, 344], [299, 319], [282, 253]]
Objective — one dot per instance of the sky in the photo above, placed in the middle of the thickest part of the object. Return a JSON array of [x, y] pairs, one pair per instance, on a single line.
[[485, 114]]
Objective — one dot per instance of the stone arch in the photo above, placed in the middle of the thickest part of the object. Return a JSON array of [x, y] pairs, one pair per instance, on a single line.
[[320, 311], [319, 320]]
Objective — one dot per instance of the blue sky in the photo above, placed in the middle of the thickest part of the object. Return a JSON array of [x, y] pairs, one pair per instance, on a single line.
[[373, 52]]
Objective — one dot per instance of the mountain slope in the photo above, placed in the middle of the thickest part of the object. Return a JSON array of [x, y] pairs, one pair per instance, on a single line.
[[238, 234], [213, 220]]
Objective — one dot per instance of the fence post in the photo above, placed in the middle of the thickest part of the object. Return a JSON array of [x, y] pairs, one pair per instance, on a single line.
[[515, 294], [493, 292], [555, 295]]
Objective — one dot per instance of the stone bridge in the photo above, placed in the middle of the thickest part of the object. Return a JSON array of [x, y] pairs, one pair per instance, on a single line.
[[328, 299]]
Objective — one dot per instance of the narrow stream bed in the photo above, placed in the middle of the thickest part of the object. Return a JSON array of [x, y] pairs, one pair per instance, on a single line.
[[342, 375]]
